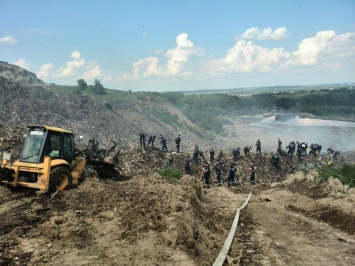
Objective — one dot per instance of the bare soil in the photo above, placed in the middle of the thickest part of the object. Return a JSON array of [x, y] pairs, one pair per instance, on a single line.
[[148, 220]]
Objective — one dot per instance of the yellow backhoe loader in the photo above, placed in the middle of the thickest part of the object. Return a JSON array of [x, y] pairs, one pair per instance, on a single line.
[[49, 160]]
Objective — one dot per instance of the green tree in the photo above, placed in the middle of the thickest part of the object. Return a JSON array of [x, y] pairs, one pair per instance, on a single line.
[[82, 84], [98, 88]]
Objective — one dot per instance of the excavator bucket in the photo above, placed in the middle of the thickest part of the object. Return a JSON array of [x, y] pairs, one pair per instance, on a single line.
[[113, 158]]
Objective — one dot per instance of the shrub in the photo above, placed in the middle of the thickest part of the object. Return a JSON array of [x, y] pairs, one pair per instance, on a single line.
[[346, 173], [171, 173]]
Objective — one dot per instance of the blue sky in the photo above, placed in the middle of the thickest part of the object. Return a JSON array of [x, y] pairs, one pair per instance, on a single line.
[[181, 45]]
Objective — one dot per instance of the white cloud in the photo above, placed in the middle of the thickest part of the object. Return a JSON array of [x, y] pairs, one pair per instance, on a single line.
[[22, 63], [265, 34], [247, 57], [8, 40], [325, 50], [176, 61], [73, 65], [45, 70], [93, 71]]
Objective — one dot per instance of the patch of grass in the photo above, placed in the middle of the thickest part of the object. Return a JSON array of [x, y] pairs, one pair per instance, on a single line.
[[346, 173], [171, 173]]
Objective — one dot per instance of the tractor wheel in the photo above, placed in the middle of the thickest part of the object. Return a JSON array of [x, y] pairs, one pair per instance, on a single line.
[[60, 177]]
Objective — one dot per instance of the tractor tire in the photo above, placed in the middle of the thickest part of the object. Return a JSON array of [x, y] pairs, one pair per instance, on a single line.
[[59, 179]]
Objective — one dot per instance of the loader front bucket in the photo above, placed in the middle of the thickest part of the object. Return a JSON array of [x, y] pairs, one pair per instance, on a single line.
[[113, 158]]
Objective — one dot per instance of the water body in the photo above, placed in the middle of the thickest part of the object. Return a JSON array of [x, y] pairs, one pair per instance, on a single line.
[[339, 134]]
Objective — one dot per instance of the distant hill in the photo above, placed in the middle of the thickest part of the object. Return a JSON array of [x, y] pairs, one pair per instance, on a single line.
[[25, 99]]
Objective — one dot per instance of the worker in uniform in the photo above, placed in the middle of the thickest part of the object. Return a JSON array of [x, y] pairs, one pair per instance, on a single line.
[[170, 159], [151, 140], [212, 153], [258, 147], [142, 139], [195, 154], [279, 143], [232, 171], [218, 171], [252, 173], [188, 165], [163, 143], [206, 175], [299, 151], [220, 154], [236, 153], [247, 150], [291, 148], [177, 143], [275, 161], [304, 147]]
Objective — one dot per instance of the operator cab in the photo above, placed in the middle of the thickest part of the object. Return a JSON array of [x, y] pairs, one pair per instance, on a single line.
[[44, 141]]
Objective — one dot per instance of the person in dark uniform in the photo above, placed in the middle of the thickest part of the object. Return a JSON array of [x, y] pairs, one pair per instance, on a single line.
[[276, 161], [232, 171], [195, 154], [299, 151], [177, 143], [236, 153], [151, 140], [247, 150], [304, 147], [258, 147], [201, 157], [279, 143], [163, 143], [291, 148], [252, 173], [188, 165], [220, 154], [218, 171], [212, 153], [170, 159], [142, 139], [206, 174]]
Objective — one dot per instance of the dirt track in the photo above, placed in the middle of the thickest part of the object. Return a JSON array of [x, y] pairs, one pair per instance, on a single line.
[[147, 220]]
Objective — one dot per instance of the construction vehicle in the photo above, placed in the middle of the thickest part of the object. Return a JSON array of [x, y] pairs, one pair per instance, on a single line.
[[49, 161]]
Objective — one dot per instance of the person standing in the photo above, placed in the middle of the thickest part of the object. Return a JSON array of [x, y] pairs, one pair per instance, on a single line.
[[163, 143], [220, 155], [170, 159], [177, 143], [236, 153], [218, 170], [275, 161], [279, 143], [142, 139], [188, 165], [151, 140], [232, 171], [195, 154], [206, 175], [212, 153], [258, 147], [252, 173]]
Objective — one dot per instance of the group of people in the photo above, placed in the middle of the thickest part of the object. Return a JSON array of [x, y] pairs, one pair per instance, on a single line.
[[217, 165], [151, 141], [299, 148]]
